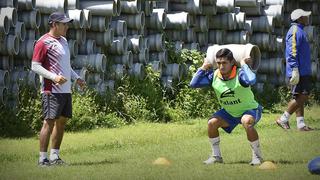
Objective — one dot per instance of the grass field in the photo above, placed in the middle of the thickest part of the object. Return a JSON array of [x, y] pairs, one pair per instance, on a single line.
[[128, 153]]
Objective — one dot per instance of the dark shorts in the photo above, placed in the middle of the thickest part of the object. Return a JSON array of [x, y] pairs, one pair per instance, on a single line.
[[303, 87], [55, 105], [234, 121]]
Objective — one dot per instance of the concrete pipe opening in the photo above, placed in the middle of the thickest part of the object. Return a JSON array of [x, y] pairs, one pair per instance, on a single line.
[[4, 25]]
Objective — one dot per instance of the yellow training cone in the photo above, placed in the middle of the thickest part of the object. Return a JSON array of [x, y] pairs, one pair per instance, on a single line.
[[267, 165], [161, 161]]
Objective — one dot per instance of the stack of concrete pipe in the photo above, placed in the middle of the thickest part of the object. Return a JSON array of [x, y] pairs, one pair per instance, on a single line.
[[112, 38], [19, 29]]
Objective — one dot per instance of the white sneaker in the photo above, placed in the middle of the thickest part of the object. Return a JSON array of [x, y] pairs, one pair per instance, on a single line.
[[213, 159], [256, 161]]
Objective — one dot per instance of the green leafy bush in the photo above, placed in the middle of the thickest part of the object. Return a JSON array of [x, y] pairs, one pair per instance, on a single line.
[[23, 120]]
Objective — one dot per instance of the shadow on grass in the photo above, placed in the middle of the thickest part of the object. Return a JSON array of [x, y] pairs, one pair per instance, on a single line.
[[90, 163], [283, 162], [238, 162]]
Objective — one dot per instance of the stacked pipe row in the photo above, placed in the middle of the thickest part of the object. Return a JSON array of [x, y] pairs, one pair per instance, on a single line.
[[111, 38], [19, 29]]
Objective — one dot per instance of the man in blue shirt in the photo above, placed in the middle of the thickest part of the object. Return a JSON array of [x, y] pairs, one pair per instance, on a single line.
[[298, 69], [238, 106]]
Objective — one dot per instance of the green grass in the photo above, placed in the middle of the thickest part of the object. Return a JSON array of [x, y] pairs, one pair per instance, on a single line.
[[128, 153]]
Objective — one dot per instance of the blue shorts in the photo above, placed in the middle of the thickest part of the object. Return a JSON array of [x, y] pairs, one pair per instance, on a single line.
[[234, 121], [303, 87]]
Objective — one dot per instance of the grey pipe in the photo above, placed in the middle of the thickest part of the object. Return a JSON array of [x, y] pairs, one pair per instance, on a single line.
[[147, 7], [88, 47], [19, 30], [125, 59], [73, 48], [156, 66], [157, 20], [156, 42], [174, 35], [202, 24], [100, 23], [239, 52], [180, 21], [4, 25], [161, 56], [102, 8], [11, 13], [237, 37], [79, 35], [26, 49], [141, 57], [102, 38], [4, 78], [275, 2], [262, 24], [262, 40], [10, 45], [272, 66], [93, 78], [202, 38], [248, 3], [31, 19], [191, 46], [119, 27], [131, 7], [224, 6], [134, 21], [3, 95], [119, 45], [216, 36], [93, 62], [50, 6], [248, 26], [73, 4], [137, 71], [209, 9], [192, 6], [32, 34], [118, 71], [135, 43], [88, 18], [276, 11], [6, 3], [225, 21], [33, 80], [26, 4], [173, 70], [253, 11], [78, 18]]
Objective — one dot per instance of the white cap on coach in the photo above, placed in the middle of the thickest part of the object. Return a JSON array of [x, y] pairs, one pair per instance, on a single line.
[[296, 14]]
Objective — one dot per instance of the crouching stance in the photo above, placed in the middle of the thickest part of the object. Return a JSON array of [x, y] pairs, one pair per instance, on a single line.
[[232, 88]]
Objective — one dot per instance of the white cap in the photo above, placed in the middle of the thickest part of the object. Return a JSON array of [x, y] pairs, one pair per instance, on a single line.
[[296, 14]]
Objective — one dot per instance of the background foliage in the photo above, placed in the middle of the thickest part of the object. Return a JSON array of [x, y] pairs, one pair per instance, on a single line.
[[134, 101]]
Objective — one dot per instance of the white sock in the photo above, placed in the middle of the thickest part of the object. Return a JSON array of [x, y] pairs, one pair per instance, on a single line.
[[255, 147], [285, 117], [43, 155], [54, 154], [215, 146], [300, 122]]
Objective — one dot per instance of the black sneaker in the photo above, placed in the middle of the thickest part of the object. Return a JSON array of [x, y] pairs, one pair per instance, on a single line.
[[44, 163], [57, 161]]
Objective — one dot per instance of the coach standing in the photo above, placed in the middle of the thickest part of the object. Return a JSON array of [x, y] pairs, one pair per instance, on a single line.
[[298, 69], [51, 60]]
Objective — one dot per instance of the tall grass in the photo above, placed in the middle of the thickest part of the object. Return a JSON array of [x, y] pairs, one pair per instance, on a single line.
[[128, 152]]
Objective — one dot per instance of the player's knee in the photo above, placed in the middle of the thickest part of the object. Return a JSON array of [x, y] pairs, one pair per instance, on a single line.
[[214, 122], [247, 122], [48, 124]]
